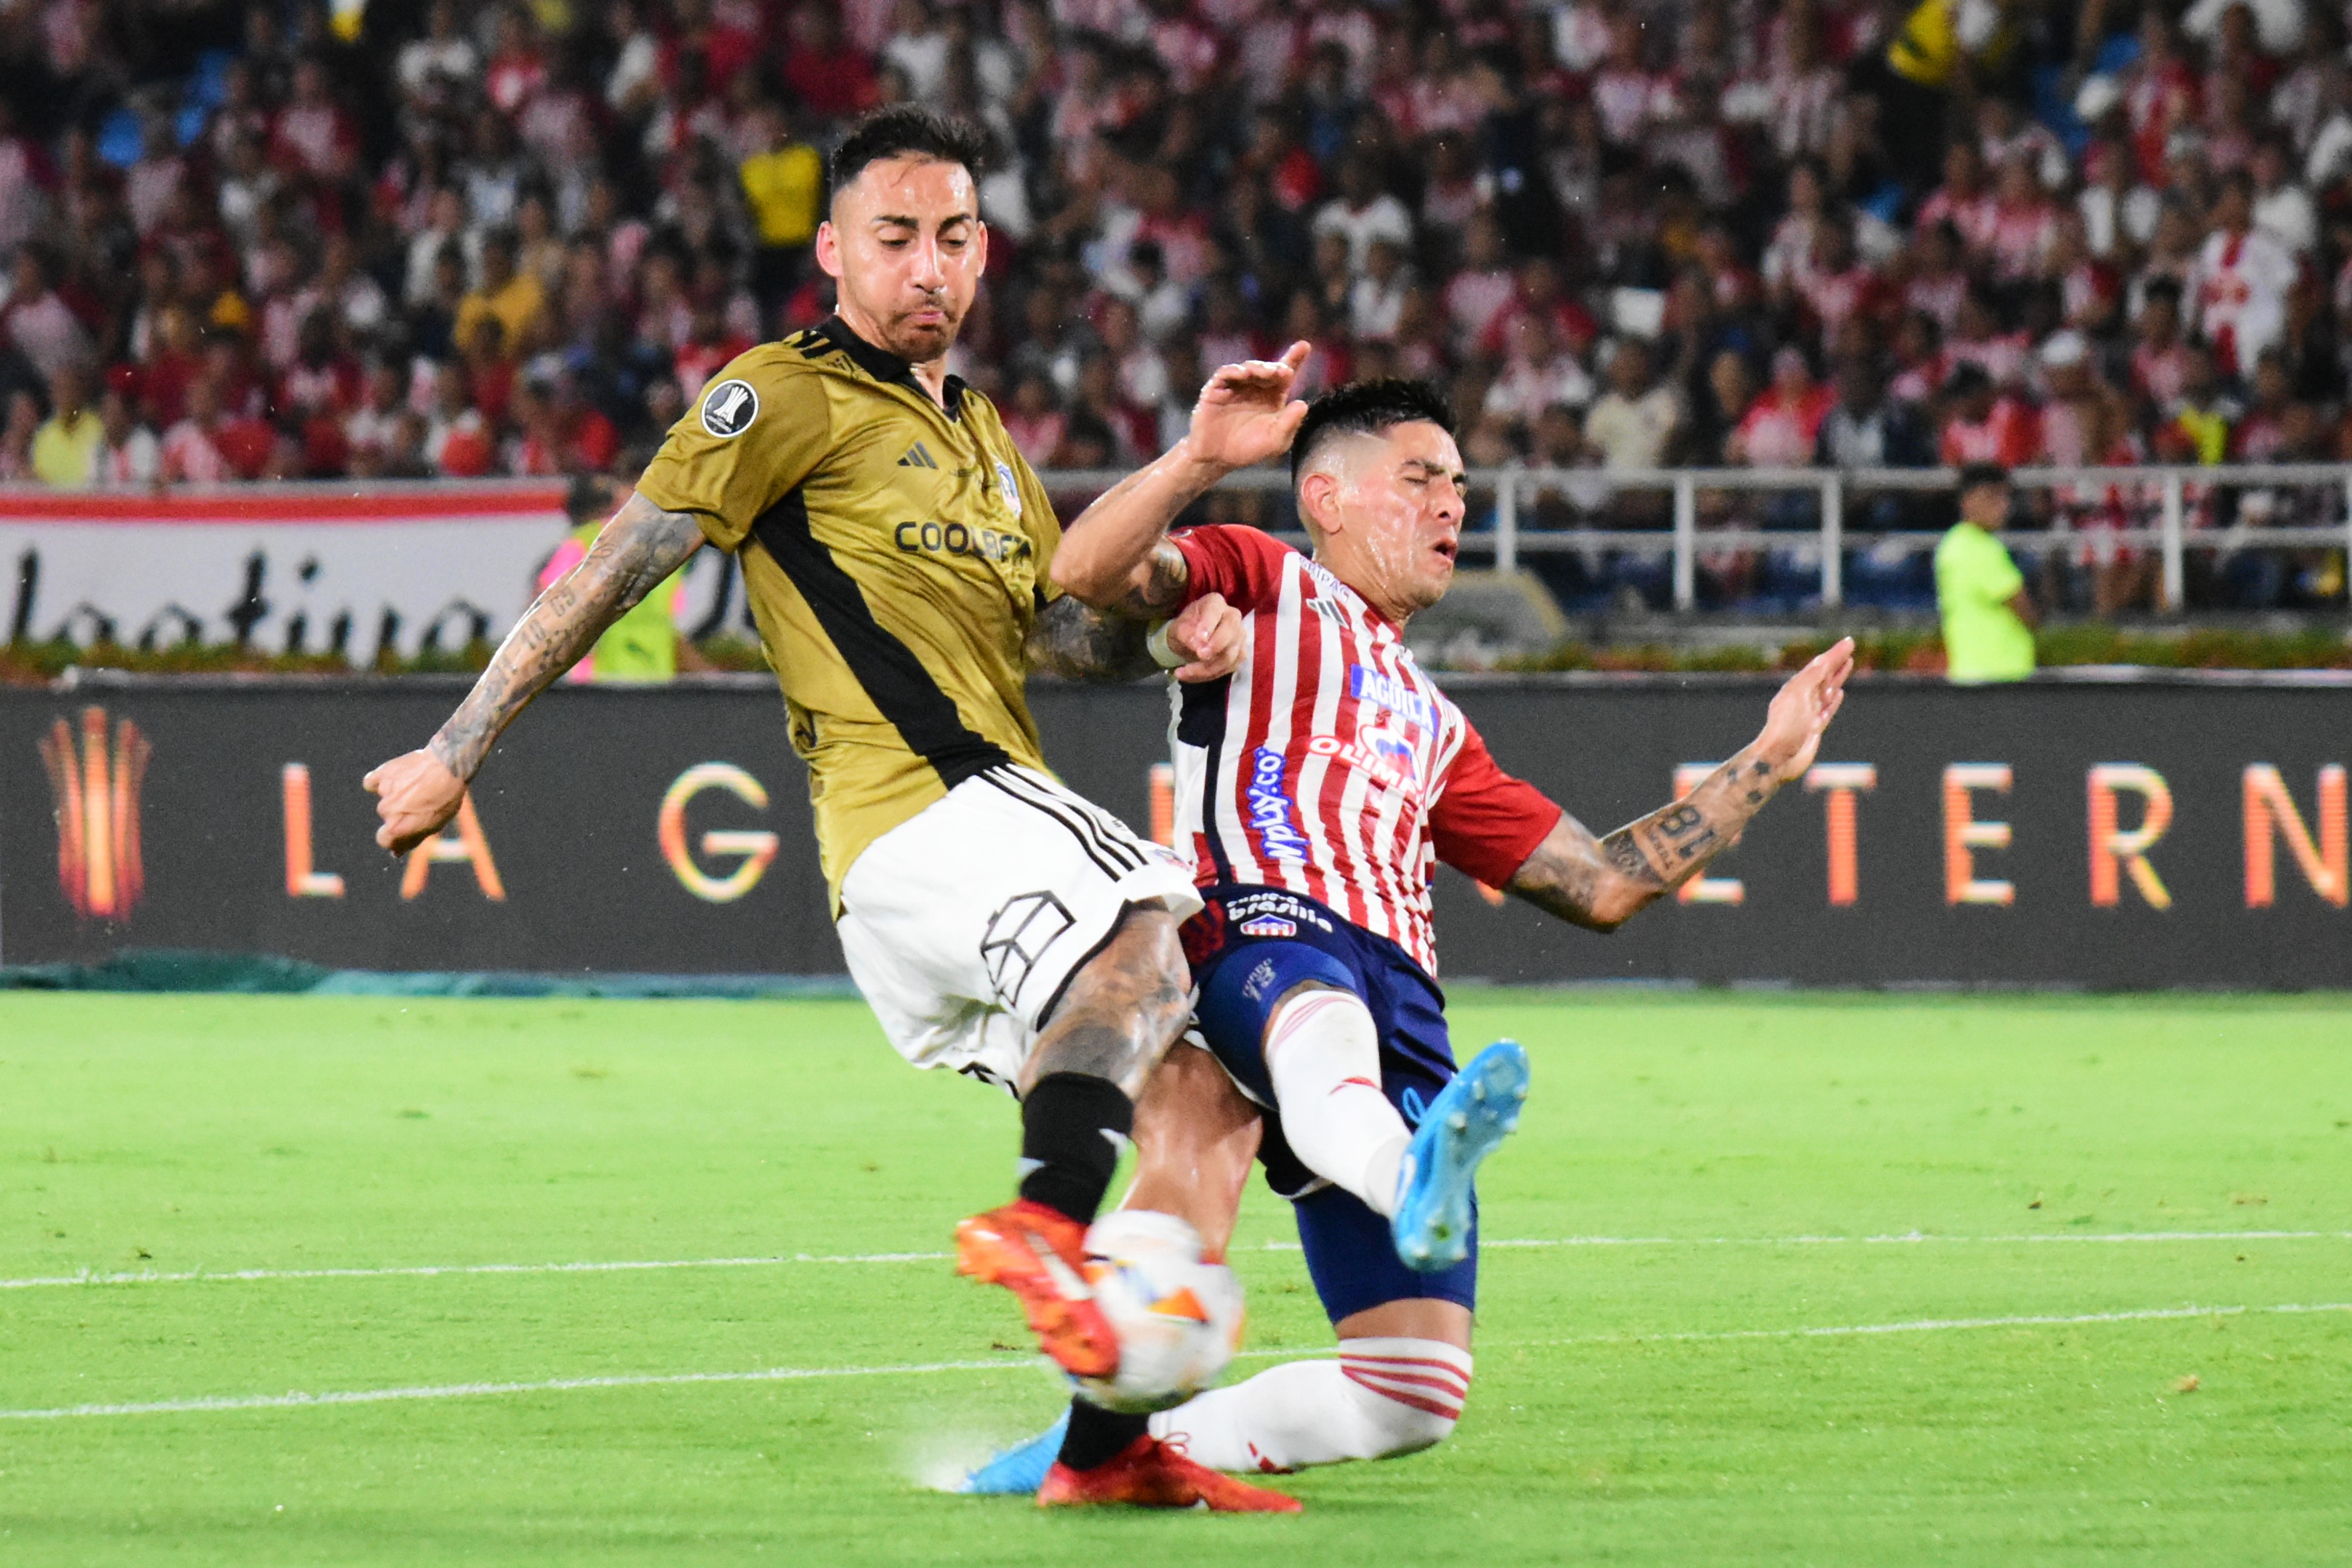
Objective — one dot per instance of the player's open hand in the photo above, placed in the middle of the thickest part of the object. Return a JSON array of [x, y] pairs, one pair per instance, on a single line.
[[1246, 414], [1803, 709], [416, 796], [1208, 634]]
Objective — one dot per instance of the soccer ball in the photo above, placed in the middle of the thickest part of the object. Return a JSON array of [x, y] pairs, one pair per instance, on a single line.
[[1178, 1316]]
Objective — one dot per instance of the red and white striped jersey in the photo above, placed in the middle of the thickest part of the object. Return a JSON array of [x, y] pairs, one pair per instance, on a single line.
[[1328, 763]]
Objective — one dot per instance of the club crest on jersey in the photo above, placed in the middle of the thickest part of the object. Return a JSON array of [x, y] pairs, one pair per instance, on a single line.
[[1269, 807], [1388, 691], [728, 408], [1007, 487], [1267, 925]]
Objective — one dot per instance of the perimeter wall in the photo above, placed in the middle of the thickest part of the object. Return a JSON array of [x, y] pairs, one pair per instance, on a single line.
[[2153, 832]]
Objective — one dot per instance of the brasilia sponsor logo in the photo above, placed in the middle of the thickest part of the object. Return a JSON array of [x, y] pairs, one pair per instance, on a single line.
[[95, 790], [1269, 807]]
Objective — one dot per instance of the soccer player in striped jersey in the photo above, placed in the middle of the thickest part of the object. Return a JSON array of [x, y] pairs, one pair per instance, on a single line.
[[1317, 788]]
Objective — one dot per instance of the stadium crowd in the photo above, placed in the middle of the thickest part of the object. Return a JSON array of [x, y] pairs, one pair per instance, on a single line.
[[406, 239]]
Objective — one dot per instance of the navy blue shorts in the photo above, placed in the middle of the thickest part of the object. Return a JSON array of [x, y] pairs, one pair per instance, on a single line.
[[1248, 946]]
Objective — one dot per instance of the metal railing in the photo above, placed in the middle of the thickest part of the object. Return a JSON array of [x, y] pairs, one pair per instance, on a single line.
[[2171, 486]]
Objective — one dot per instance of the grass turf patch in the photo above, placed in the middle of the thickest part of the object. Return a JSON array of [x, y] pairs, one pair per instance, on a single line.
[[1700, 1178]]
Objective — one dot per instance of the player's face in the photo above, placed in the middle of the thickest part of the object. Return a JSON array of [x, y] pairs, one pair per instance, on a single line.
[[1399, 511], [906, 247]]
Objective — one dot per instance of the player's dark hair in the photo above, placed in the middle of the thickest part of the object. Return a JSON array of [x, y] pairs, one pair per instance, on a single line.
[[908, 129], [1975, 474], [1367, 408]]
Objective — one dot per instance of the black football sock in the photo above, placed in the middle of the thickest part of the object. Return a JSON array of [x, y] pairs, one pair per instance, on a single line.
[[1097, 1436], [1072, 1129]]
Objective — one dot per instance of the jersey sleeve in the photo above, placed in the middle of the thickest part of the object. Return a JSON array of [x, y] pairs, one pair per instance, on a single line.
[[759, 429], [1244, 564], [1487, 823]]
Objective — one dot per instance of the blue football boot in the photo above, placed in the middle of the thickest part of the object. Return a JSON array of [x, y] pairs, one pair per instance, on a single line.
[[1021, 1469], [1469, 1117]]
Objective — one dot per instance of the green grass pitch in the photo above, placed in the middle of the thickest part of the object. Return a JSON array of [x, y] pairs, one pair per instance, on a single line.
[[2112, 1198]]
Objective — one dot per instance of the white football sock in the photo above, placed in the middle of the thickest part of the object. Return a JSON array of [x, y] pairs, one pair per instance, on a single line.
[[1323, 1056], [1383, 1397]]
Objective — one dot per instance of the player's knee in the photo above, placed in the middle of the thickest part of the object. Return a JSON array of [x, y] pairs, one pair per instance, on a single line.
[[1410, 1393]]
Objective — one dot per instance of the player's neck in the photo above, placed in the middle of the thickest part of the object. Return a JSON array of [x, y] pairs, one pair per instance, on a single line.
[[1394, 614], [931, 375]]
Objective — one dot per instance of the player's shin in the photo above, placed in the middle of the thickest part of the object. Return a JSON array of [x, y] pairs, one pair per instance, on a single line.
[[1383, 1397], [1323, 1055]]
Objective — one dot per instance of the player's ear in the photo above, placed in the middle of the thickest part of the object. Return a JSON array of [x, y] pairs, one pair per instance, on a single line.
[[1318, 501], [828, 249], [980, 244]]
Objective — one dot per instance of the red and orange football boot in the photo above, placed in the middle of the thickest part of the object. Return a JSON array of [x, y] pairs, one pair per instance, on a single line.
[[1040, 1255], [1148, 1473]]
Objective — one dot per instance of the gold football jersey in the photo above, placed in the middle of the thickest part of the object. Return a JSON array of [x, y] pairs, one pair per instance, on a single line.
[[895, 553]]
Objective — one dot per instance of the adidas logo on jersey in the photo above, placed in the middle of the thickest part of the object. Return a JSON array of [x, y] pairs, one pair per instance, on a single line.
[[917, 456]]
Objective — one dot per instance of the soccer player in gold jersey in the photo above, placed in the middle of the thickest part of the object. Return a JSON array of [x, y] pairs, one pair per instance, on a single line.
[[898, 556]]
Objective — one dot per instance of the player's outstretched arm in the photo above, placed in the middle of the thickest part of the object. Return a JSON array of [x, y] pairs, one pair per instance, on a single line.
[[1599, 884], [1078, 642], [1246, 414], [418, 793]]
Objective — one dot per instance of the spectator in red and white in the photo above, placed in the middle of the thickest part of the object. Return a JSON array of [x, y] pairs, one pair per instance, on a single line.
[[323, 379], [2024, 226], [131, 455], [371, 429], [313, 134], [2004, 134], [1539, 373], [1376, 300], [1789, 255], [38, 321], [2283, 207], [1627, 93], [434, 70], [2119, 211], [458, 439], [1141, 372], [1935, 283], [2161, 93], [27, 176], [1477, 296], [2090, 291], [1965, 200], [829, 77], [1362, 211], [1984, 424], [708, 345], [1795, 91], [1921, 365], [1779, 428], [189, 451], [1977, 339], [2241, 280], [1034, 419], [1840, 288], [152, 182], [517, 67]]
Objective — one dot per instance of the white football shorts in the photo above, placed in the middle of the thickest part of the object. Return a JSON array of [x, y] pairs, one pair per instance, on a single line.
[[964, 924]]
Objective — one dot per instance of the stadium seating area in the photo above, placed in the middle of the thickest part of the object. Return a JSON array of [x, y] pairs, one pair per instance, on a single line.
[[403, 239]]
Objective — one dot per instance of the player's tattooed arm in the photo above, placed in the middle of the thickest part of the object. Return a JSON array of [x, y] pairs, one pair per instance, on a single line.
[[640, 547], [1599, 884], [1078, 642], [1202, 641], [418, 792]]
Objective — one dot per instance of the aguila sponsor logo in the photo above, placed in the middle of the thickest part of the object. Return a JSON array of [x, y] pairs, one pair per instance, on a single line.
[[95, 789]]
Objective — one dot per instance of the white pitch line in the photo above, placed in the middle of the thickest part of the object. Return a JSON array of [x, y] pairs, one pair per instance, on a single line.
[[298, 1400], [433, 1270]]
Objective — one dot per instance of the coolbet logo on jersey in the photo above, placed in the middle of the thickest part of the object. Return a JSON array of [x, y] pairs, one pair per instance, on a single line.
[[1269, 807], [954, 538], [729, 409], [1386, 691]]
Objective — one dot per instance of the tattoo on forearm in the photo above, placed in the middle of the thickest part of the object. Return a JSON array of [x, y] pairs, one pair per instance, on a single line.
[[1078, 642], [640, 547], [1161, 592], [1601, 882]]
